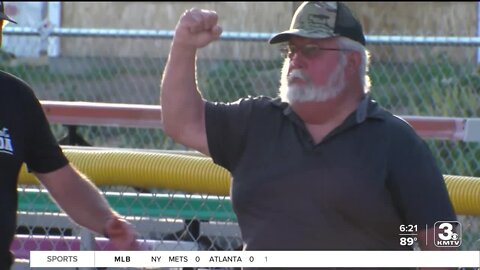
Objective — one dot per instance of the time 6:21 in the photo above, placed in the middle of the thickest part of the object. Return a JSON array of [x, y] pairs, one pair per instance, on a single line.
[[409, 228]]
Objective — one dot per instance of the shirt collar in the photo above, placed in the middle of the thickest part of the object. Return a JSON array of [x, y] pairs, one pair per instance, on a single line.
[[367, 108]]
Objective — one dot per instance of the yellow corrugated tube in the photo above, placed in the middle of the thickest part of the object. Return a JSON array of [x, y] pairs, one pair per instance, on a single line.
[[465, 194], [193, 173], [146, 169]]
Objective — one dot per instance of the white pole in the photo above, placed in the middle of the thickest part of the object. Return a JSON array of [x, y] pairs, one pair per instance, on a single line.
[[54, 16], [478, 30]]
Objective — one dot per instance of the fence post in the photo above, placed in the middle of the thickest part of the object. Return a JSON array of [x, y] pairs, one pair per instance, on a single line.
[[87, 242]]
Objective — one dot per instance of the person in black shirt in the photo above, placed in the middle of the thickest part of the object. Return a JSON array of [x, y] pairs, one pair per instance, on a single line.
[[25, 137]]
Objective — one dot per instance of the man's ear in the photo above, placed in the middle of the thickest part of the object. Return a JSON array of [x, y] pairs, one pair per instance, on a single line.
[[353, 61]]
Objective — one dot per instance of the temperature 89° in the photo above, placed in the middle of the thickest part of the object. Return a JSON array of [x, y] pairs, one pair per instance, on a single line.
[[407, 241]]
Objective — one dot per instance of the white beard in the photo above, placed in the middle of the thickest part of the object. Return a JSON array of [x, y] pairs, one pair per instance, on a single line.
[[291, 92]]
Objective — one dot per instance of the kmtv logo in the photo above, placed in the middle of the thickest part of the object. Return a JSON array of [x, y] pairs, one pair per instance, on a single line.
[[448, 234]]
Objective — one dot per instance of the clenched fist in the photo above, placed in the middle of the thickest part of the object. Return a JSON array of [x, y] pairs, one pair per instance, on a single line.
[[197, 28]]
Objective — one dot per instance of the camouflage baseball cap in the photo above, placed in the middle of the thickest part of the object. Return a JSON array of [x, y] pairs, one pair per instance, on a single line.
[[4, 16], [322, 20]]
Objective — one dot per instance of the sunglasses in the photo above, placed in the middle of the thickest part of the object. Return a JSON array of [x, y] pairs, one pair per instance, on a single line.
[[308, 50]]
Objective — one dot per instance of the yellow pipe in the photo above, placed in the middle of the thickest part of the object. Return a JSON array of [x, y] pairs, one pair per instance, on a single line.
[[464, 193], [146, 169], [198, 174]]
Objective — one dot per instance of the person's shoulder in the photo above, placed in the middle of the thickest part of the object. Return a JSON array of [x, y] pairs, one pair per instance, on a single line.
[[257, 101], [13, 85], [376, 111], [401, 131], [394, 124], [11, 79]]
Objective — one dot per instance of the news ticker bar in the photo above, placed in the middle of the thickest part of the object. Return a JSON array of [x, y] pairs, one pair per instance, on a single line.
[[53, 259]]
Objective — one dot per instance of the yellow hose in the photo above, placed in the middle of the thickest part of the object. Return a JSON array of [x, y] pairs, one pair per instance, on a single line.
[[465, 194], [198, 174], [147, 169]]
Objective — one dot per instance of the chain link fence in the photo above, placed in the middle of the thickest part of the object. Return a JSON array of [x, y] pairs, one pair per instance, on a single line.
[[409, 76], [413, 76]]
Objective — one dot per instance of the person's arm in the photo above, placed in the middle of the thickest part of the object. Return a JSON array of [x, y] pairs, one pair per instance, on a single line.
[[183, 112], [417, 185], [85, 205]]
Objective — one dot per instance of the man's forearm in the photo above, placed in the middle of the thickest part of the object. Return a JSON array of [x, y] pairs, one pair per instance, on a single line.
[[78, 197]]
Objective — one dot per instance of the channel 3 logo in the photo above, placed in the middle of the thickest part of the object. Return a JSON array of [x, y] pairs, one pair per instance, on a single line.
[[448, 234]]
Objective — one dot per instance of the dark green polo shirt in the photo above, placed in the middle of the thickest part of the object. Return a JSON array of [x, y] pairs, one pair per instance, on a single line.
[[352, 191]]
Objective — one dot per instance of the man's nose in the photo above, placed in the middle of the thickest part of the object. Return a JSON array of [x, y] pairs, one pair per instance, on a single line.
[[297, 60]]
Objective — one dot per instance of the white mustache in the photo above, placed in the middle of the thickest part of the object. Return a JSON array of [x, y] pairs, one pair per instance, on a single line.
[[296, 73]]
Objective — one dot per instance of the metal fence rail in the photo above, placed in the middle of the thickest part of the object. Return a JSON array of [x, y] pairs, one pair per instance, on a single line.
[[149, 116], [229, 36]]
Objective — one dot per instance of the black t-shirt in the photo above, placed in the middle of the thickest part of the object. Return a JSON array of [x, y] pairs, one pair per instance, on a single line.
[[351, 191], [25, 136]]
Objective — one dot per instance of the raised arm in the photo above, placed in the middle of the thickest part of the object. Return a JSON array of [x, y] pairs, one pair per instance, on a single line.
[[183, 112]]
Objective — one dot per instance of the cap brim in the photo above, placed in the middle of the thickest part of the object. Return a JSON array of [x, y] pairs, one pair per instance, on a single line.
[[286, 35], [3, 16]]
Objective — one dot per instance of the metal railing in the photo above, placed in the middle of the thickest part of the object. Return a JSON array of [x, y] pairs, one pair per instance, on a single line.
[[230, 36]]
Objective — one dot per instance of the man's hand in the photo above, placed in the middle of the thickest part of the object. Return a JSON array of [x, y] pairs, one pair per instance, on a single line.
[[121, 234], [196, 29]]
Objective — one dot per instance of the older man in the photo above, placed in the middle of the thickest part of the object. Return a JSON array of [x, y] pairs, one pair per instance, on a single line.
[[322, 167]]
